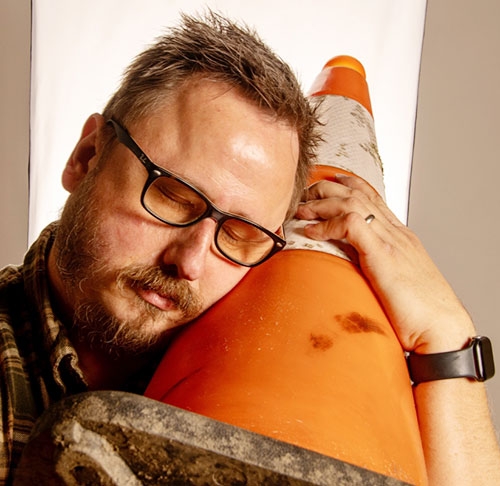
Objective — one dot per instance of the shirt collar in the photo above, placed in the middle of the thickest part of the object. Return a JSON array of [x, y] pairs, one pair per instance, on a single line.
[[63, 358]]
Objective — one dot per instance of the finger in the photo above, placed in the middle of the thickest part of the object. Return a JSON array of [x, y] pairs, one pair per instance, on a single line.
[[330, 199], [351, 227], [358, 185], [342, 185], [324, 189], [333, 207]]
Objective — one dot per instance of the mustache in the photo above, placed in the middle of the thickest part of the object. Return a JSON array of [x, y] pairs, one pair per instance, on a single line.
[[156, 280]]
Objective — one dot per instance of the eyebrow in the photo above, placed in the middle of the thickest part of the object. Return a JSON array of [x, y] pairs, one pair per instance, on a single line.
[[138, 151]]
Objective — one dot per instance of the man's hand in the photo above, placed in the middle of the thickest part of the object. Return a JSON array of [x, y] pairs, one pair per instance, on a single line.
[[458, 436], [425, 312]]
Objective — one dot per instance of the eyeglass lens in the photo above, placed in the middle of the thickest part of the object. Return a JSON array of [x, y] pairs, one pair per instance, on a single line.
[[178, 204]]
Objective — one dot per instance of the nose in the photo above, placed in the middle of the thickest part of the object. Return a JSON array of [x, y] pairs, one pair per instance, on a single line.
[[189, 249]]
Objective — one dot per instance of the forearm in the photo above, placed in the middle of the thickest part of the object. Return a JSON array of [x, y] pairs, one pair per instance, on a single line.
[[460, 444], [458, 436], [459, 440]]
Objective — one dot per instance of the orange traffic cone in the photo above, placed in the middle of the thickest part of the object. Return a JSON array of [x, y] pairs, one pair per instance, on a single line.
[[301, 349]]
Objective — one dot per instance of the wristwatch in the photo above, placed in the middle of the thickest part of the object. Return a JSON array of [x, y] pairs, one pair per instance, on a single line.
[[475, 361]]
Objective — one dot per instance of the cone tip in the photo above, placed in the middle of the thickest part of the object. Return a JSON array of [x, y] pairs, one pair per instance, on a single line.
[[348, 62]]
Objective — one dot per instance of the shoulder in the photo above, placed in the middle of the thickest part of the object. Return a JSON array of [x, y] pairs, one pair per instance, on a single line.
[[16, 315], [18, 410], [10, 275], [11, 291]]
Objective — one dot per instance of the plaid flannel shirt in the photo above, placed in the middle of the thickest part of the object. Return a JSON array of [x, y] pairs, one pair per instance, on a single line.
[[38, 364]]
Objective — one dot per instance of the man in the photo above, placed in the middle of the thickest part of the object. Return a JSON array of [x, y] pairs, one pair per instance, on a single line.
[[177, 189]]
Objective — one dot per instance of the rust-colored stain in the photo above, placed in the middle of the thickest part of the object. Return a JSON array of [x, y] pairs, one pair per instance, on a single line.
[[356, 323], [321, 342]]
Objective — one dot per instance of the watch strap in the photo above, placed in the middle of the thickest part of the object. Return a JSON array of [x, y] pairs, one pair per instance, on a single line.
[[475, 361]]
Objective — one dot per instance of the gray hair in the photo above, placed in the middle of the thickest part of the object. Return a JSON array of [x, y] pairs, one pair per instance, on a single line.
[[216, 48]]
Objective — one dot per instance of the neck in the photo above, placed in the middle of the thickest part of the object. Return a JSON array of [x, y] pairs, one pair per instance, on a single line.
[[105, 372]]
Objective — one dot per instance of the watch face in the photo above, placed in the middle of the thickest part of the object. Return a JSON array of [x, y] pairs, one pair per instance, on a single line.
[[483, 357]]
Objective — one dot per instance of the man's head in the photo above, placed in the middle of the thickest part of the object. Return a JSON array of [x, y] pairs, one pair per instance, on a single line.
[[210, 104], [217, 49]]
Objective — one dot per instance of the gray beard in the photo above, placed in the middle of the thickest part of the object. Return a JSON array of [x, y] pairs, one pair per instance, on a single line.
[[80, 264]]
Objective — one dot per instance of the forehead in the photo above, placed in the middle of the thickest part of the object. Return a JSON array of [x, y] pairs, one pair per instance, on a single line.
[[243, 159]]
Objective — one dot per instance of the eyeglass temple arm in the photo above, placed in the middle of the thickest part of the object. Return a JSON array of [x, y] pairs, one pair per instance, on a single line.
[[124, 137]]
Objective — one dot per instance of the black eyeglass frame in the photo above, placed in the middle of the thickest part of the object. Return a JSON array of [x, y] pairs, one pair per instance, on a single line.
[[212, 211]]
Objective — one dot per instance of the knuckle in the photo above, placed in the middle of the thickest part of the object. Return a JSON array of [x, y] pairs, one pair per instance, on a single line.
[[351, 201], [351, 217]]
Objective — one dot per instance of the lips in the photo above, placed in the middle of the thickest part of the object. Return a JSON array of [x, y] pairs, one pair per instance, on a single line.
[[158, 300], [161, 291]]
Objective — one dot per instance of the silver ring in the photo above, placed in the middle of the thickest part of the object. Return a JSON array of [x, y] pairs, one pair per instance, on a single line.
[[369, 218]]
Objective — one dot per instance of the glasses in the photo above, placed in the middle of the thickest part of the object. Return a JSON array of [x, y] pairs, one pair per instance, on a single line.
[[176, 202]]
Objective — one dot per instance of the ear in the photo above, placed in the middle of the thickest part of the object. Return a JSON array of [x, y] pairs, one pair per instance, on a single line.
[[85, 154]]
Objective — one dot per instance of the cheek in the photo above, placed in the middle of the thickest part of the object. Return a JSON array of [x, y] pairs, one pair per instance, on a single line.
[[126, 237], [124, 228], [133, 242]]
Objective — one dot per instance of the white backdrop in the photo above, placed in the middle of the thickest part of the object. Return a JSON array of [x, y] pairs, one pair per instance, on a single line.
[[81, 47]]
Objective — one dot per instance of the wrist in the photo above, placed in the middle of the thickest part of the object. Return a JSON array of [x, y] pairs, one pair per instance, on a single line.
[[447, 336]]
